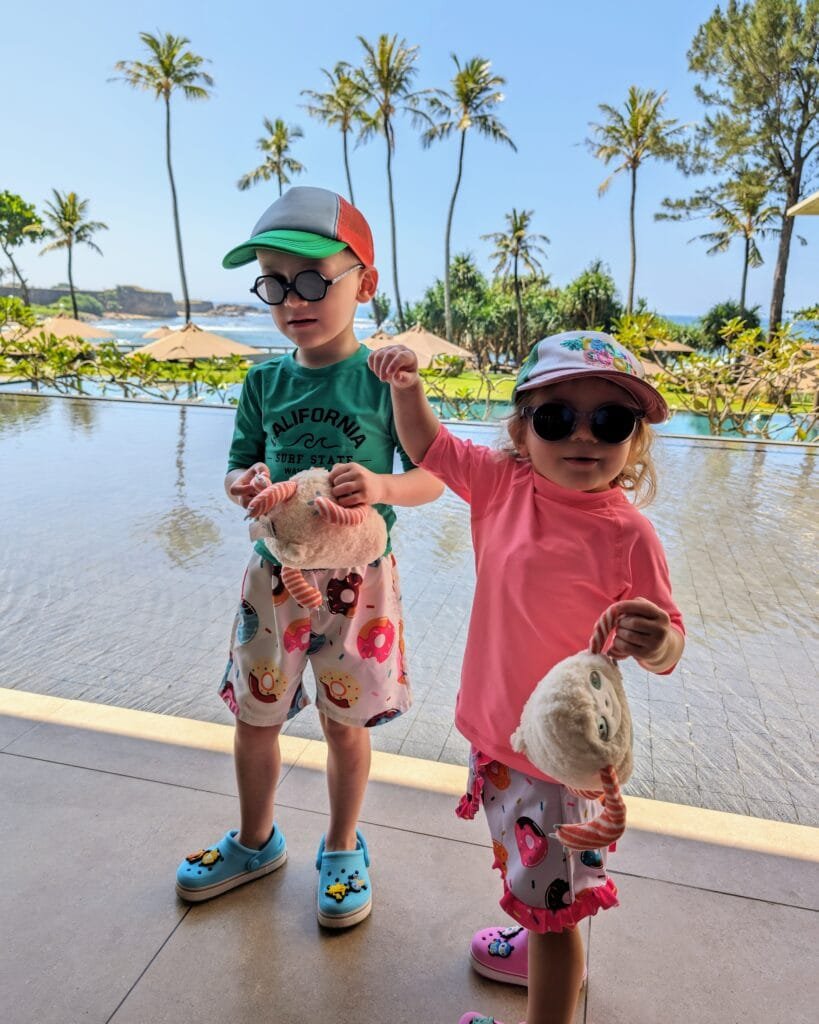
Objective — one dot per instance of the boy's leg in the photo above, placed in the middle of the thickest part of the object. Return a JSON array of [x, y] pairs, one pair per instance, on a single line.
[[258, 763], [555, 976], [348, 769]]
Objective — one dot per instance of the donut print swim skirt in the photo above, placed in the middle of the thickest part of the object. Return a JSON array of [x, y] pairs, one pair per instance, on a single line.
[[545, 887], [354, 642]]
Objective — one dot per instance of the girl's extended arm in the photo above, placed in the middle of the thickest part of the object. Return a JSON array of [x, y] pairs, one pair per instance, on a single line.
[[415, 421], [644, 632]]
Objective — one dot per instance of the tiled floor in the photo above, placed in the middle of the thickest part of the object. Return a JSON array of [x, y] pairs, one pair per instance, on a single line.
[[122, 562], [717, 922]]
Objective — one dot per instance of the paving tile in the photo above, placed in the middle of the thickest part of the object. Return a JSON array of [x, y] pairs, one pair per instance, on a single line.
[[713, 976]]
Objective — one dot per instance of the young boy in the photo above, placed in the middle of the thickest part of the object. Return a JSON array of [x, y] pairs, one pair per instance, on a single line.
[[318, 406]]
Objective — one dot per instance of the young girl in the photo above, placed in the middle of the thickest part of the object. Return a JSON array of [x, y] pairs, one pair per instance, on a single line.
[[556, 542]]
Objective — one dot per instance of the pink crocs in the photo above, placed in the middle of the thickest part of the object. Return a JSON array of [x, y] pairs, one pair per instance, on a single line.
[[501, 954]]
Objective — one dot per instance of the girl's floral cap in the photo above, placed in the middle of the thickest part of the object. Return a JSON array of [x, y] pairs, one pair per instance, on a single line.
[[575, 354]]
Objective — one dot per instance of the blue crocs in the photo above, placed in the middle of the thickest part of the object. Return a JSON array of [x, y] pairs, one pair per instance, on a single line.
[[344, 889], [208, 873]]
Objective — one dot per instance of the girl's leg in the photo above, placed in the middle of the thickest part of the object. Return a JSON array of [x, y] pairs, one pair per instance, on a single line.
[[555, 976], [348, 769], [258, 762]]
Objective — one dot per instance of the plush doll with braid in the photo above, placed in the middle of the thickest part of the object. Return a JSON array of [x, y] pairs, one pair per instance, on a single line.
[[576, 727], [304, 528]]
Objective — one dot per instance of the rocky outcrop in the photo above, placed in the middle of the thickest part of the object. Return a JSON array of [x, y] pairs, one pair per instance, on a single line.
[[124, 298]]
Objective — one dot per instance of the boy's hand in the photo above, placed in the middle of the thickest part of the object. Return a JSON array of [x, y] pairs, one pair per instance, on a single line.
[[354, 485], [245, 488], [396, 364], [642, 631]]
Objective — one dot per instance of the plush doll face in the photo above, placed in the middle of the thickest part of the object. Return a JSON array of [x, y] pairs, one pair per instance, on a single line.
[[577, 721], [306, 529]]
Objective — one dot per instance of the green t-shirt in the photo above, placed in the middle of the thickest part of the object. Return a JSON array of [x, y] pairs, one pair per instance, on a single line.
[[294, 417]]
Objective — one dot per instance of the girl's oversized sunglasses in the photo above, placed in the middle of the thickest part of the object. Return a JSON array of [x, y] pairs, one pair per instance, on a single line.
[[610, 423]]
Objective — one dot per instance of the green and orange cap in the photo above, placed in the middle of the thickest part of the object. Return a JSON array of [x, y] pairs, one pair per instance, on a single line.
[[310, 222]]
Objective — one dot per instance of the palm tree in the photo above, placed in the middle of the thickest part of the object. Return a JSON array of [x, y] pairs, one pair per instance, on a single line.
[[385, 81], [475, 91], [514, 248], [634, 135], [170, 68], [738, 208], [277, 163], [341, 105], [69, 228]]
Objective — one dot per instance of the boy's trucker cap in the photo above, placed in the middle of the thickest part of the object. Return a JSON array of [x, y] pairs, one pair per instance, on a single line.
[[310, 222]]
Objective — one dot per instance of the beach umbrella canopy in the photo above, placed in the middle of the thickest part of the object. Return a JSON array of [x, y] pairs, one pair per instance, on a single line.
[[67, 327], [422, 342], [191, 342], [651, 368], [669, 346], [157, 332]]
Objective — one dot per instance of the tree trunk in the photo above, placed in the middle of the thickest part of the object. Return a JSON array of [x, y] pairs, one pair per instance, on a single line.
[[71, 282], [16, 271], [744, 285], [633, 269], [178, 233], [279, 177], [519, 305], [399, 307], [347, 166], [783, 253], [447, 293]]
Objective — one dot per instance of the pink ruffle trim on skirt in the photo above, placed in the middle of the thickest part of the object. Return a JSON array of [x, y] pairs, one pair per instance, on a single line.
[[586, 904], [470, 802]]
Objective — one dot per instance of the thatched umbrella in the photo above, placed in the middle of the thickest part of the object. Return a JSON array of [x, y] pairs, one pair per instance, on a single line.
[[190, 343], [157, 332], [66, 327], [669, 346], [422, 342]]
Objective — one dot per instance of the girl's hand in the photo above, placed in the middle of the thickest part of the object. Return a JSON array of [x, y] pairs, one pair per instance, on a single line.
[[354, 485], [642, 631], [245, 487], [396, 364]]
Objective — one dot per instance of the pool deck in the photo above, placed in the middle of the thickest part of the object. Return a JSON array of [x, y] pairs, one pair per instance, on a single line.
[[717, 922], [116, 595]]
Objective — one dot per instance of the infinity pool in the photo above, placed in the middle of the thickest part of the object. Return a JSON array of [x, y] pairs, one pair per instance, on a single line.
[[121, 560]]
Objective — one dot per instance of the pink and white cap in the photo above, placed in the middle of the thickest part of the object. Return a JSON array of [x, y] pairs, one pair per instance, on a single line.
[[575, 354]]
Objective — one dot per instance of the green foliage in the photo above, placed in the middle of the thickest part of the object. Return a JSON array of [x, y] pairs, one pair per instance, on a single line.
[[19, 223], [755, 379], [759, 63], [277, 161], [381, 308], [590, 301], [85, 304], [718, 316], [14, 313], [67, 365]]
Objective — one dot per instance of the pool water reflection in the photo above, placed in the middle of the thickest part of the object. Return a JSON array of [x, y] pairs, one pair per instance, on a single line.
[[122, 559]]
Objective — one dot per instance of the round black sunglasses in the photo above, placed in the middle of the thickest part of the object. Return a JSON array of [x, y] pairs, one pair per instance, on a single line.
[[610, 423], [309, 285]]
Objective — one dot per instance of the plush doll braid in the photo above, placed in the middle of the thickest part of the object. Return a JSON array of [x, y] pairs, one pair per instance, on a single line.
[[608, 826]]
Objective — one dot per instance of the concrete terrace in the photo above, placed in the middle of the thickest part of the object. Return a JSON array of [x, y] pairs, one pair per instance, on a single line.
[[717, 922]]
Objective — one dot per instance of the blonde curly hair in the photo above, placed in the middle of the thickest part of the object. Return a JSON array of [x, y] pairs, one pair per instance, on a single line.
[[638, 477]]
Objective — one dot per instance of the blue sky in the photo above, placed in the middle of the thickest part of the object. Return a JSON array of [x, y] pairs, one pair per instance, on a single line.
[[67, 127]]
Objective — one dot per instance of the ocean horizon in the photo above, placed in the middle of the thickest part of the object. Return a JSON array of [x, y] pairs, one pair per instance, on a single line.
[[254, 329]]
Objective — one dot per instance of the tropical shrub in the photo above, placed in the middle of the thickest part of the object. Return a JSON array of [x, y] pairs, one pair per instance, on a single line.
[[718, 316]]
